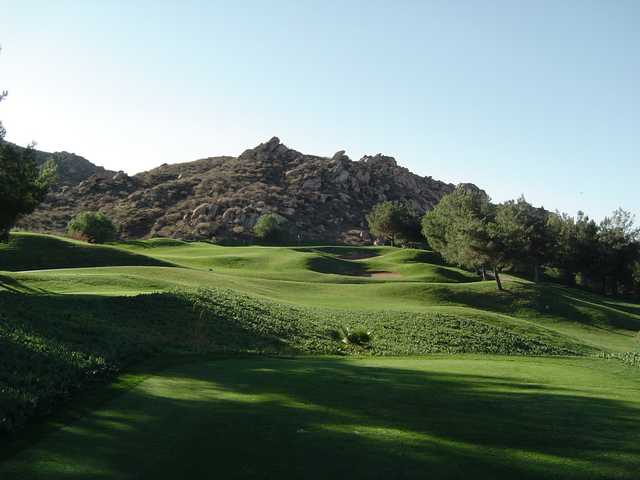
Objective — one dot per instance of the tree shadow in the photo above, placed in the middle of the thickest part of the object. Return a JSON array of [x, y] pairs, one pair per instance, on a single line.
[[342, 252], [268, 418], [13, 285], [329, 264], [52, 346], [37, 252], [543, 300]]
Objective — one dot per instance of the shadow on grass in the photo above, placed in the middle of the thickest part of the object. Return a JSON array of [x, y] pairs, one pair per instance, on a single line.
[[33, 252], [542, 300], [266, 418], [52, 346], [332, 265], [454, 276], [13, 285], [344, 253]]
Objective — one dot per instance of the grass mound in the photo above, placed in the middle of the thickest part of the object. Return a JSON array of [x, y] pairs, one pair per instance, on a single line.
[[51, 346], [27, 251]]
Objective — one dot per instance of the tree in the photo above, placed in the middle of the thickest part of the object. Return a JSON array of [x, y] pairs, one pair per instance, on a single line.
[[524, 234], [3, 95], [462, 229], [564, 246], [270, 227], [588, 251], [94, 227], [394, 221], [22, 184], [619, 241]]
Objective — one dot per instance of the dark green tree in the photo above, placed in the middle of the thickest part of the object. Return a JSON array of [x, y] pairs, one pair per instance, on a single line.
[[463, 230], [564, 246], [524, 234], [394, 222], [94, 227], [587, 250], [22, 184], [620, 248]]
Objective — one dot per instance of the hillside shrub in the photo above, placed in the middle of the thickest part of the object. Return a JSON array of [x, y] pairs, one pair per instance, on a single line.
[[94, 227], [271, 227], [358, 336]]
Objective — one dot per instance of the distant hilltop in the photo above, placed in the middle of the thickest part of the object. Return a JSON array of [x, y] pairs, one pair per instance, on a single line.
[[324, 199]]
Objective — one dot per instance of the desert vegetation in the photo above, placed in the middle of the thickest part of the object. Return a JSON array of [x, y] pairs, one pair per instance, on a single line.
[[94, 227]]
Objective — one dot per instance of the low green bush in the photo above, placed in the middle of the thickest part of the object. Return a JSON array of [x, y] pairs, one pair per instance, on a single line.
[[271, 227], [94, 227], [359, 336]]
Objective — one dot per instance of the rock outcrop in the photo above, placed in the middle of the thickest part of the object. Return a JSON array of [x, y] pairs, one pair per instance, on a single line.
[[324, 199]]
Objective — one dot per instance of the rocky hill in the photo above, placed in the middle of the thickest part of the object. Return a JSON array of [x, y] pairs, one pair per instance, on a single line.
[[324, 199], [71, 168]]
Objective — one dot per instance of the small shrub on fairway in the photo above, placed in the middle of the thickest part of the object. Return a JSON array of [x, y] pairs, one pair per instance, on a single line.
[[358, 336], [95, 227], [270, 227]]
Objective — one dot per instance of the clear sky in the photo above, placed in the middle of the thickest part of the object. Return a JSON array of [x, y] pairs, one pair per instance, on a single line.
[[540, 98]]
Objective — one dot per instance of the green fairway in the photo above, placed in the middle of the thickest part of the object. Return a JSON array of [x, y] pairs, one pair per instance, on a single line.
[[341, 278], [73, 316], [439, 417]]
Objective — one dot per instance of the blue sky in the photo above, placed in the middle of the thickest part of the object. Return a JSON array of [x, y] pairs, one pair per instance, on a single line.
[[540, 98]]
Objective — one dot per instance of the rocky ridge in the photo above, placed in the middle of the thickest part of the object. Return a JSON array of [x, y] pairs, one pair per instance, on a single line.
[[324, 199]]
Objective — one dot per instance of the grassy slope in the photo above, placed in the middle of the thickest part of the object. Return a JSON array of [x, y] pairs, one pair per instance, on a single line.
[[292, 307], [293, 275], [444, 417], [28, 251], [81, 319]]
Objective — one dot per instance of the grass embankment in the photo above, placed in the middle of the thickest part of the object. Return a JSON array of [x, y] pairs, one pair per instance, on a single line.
[[445, 417], [51, 346]]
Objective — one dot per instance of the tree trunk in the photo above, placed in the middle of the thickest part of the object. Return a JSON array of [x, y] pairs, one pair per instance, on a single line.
[[483, 271], [614, 286], [569, 278], [4, 235], [536, 273], [496, 275]]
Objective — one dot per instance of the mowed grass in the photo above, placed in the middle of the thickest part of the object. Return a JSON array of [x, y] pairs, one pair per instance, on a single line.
[[438, 417], [339, 278], [74, 316]]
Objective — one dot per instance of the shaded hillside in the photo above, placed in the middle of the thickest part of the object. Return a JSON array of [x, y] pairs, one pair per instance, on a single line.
[[323, 198]]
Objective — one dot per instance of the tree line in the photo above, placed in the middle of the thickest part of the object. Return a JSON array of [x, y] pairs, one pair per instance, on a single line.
[[470, 231]]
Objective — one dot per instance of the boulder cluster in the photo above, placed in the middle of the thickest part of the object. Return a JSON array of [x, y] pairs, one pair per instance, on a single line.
[[323, 199]]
